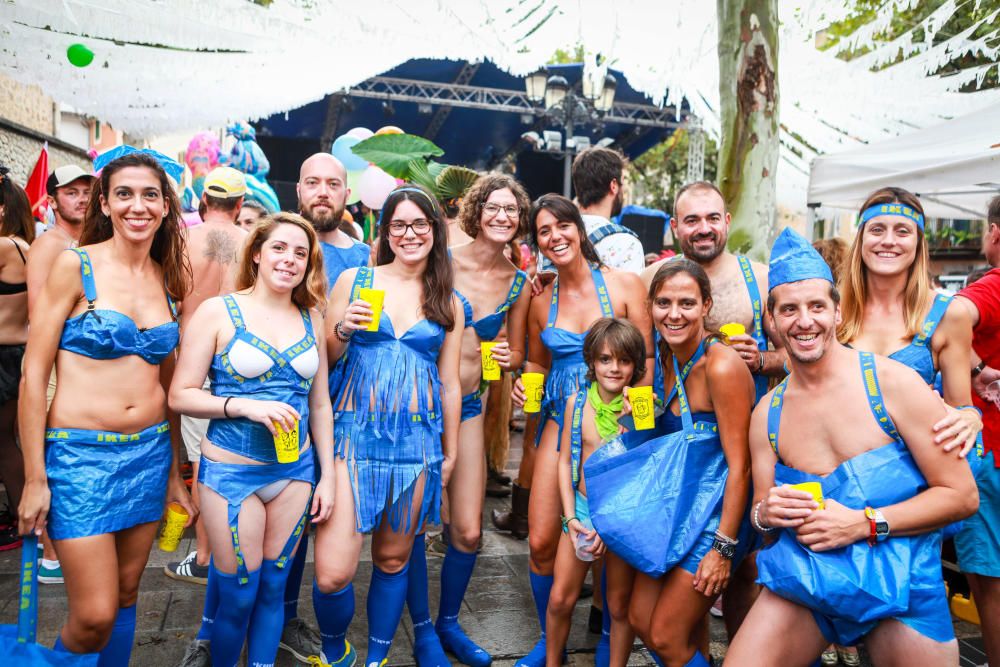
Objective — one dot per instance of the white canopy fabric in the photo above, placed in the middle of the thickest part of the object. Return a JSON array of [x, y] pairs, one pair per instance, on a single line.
[[953, 166]]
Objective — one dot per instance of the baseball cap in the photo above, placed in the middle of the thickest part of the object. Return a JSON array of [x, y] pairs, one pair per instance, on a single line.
[[225, 183], [63, 176]]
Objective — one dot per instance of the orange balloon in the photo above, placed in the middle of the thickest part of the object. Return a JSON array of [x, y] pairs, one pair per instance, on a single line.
[[347, 217], [390, 129]]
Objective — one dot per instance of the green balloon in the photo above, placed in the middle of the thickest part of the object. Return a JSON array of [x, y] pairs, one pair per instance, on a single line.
[[79, 55]]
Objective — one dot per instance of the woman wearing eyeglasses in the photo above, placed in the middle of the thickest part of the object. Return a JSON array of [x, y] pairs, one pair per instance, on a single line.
[[494, 295], [395, 419]]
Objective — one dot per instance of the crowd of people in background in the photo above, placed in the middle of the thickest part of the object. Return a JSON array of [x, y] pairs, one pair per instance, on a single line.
[[787, 445]]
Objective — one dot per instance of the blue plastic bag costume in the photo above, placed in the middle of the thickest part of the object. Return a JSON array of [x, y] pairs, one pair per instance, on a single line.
[[17, 642], [103, 482], [247, 156], [656, 502], [387, 444], [851, 589], [568, 371]]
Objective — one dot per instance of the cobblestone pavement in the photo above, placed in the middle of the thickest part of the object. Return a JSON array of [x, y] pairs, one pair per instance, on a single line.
[[498, 612]]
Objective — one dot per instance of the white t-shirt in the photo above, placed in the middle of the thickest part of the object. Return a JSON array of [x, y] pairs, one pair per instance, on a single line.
[[618, 251]]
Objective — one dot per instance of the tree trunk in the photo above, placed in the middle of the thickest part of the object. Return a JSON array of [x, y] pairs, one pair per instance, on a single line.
[[748, 91]]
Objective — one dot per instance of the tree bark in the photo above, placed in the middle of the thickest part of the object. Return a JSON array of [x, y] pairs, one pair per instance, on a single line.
[[748, 91]]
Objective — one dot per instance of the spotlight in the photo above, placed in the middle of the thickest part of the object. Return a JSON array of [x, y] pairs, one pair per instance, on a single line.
[[605, 142], [553, 140]]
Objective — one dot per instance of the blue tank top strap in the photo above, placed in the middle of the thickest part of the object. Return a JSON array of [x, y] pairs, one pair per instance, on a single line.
[[87, 276], [576, 435], [774, 414], [684, 372], [751, 282], [466, 308], [362, 279], [874, 393], [515, 291], [603, 297], [235, 314], [682, 400], [933, 319]]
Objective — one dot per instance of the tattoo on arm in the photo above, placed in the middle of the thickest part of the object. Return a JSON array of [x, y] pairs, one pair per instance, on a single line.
[[220, 247]]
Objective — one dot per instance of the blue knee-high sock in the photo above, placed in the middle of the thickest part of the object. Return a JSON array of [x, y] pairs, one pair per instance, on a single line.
[[426, 647], [334, 612], [602, 654], [386, 597], [698, 660], [266, 621], [231, 620], [118, 650], [211, 604], [294, 585], [541, 587], [455, 575]]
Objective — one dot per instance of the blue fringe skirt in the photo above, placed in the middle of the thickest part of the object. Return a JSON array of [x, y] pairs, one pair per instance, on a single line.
[[103, 482], [385, 460]]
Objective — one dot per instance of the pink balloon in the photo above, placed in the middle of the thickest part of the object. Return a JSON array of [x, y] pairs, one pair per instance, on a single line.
[[191, 219], [360, 133], [374, 186]]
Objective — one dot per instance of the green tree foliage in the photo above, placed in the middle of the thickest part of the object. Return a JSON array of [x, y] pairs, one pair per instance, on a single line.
[[657, 174], [967, 13]]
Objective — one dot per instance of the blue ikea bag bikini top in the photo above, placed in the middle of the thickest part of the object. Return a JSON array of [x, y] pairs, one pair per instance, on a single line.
[[488, 327], [857, 582], [652, 498], [18, 642], [107, 334]]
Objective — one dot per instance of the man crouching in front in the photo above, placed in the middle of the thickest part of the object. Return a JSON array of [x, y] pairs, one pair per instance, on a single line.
[[851, 489]]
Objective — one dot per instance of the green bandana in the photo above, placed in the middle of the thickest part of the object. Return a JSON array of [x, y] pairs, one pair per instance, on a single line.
[[606, 416]]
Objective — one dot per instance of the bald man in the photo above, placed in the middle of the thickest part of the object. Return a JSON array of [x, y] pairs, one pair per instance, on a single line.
[[322, 191]]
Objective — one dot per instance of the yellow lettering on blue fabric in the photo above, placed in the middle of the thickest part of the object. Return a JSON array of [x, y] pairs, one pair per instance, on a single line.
[[870, 381]]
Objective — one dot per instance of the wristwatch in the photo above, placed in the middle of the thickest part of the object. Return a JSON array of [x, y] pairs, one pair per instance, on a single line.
[[726, 549], [878, 525], [978, 369]]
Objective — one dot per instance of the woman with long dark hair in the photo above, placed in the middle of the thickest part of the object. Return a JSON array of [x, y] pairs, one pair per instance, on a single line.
[[587, 290], [396, 417], [17, 228], [263, 347], [98, 471]]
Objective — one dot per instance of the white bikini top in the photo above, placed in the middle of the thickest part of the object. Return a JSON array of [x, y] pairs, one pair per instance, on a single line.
[[251, 362]]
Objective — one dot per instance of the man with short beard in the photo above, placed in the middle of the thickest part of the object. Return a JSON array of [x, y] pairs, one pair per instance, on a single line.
[[857, 555], [322, 191], [701, 225]]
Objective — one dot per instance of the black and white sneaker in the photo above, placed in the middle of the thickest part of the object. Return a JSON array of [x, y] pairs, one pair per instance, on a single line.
[[197, 655], [187, 570]]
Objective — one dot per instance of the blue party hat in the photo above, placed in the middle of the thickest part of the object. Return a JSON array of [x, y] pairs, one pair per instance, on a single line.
[[794, 259]]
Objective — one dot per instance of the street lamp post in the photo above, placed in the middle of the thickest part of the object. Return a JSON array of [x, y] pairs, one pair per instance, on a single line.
[[566, 108]]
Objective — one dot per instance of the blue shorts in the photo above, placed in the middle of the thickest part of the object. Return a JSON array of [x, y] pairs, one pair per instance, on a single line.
[[581, 511], [928, 614], [472, 405], [978, 543], [102, 482]]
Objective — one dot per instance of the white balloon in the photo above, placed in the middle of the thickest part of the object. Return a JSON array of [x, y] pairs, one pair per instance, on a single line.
[[374, 186]]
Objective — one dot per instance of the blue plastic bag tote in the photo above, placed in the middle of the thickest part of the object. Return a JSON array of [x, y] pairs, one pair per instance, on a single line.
[[17, 642]]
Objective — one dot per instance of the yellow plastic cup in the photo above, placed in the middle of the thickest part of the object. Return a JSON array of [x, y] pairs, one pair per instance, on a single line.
[[491, 369], [375, 298], [173, 527], [732, 329], [286, 443], [812, 488], [533, 385], [641, 399]]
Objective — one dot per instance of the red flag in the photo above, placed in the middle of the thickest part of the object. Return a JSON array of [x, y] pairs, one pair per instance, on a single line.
[[35, 188]]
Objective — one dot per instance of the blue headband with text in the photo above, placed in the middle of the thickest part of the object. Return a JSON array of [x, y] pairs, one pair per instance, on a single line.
[[897, 210], [174, 169]]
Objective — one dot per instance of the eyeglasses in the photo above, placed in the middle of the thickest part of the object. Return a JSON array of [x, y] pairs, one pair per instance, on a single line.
[[398, 228], [493, 210]]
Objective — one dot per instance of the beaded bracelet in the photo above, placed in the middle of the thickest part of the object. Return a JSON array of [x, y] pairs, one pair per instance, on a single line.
[[755, 519]]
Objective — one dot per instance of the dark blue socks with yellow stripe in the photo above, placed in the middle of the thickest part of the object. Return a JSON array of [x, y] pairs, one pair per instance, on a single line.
[[427, 648], [386, 597], [456, 571], [334, 612], [541, 587]]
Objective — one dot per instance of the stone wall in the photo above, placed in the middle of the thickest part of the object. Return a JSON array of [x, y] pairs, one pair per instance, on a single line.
[[19, 149], [26, 105]]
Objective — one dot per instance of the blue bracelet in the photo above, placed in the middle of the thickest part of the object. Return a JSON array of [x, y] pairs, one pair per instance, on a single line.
[[970, 407]]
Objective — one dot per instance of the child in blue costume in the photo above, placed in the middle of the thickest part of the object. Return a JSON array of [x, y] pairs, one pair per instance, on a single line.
[[494, 212], [109, 322], [593, 291], [867, 562], [395, 420], [615, 355], [263, 349], [671, 609]]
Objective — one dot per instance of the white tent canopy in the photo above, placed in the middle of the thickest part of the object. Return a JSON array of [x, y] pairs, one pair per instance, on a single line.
[[954, 167]]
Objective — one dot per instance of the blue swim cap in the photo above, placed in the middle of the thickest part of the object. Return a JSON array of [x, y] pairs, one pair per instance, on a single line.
[[794, 259]]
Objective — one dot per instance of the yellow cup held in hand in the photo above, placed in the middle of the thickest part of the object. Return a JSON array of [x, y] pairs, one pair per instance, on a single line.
[[732, 329], [286, 443], [375, 299], [173, 527], [641, 399], [491, 369], [812, 488], [533, 384]]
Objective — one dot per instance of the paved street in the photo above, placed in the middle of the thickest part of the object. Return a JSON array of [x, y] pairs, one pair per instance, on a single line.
[[498, 612]]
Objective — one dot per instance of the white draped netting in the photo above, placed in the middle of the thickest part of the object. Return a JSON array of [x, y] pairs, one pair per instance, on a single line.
[[169, 65]]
